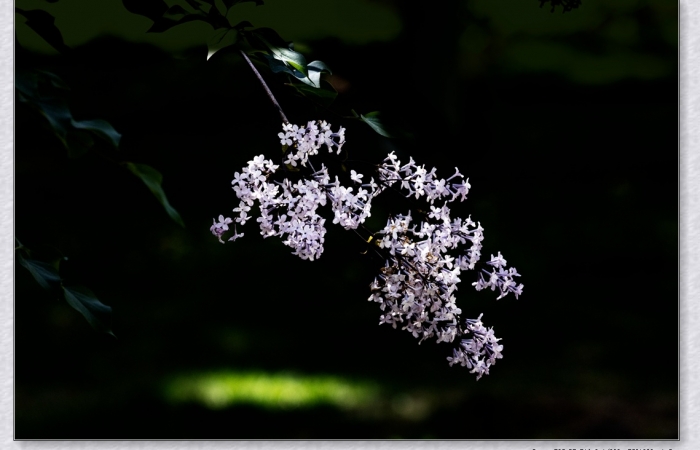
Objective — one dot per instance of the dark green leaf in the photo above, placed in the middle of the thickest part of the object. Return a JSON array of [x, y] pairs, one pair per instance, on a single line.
[[54, 80], [176, 12], [324, 96], [196, 4], [58, 115], [86, 303], [78, 144], [278, 66], [373, 120], [221, 38], [153, 180], [101, 128], [567, 5], [27, 84], [162, 24], [45, 274], [269, 35], [45, 92], [215, 12], [153, 9], [230, 3], [205, 6], [175, 16], [43, 24], [242, 24]]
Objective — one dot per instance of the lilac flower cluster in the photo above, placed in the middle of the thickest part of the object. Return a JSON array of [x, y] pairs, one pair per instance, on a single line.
[[418, 282], [417, 285], [289, 210], [480, 351], [309, 139]]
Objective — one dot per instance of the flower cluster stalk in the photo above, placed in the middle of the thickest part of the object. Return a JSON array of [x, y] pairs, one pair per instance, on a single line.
[[264, 85]]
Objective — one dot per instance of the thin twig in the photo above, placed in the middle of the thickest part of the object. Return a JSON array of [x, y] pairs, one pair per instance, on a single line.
[[267, 89]]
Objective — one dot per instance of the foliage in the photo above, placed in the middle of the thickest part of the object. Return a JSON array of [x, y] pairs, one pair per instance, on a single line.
[[79, 297], [43, 24], [47, 96], [264, 45]]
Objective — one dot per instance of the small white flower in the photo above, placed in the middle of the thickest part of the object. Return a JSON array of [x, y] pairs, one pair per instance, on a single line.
[[220, 227], [497, 261], [285, 138], [357, 178]]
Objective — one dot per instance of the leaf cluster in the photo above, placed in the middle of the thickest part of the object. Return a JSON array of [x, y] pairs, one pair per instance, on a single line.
[[79, 297], [262, 44], [47, 97], [46, 94], [43, 24], [165, 17]]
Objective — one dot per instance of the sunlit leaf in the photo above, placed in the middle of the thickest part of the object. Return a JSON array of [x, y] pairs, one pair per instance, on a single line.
[[280, 49], [315, 70], [294, 59], [319, 66], [153, 179], [221, 38], [86, 303], [43, 24]]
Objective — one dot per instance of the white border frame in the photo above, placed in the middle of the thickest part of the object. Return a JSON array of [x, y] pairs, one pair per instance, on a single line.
[[689, 287]]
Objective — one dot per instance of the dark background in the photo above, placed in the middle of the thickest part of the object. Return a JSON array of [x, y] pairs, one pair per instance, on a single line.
[[565, 124]]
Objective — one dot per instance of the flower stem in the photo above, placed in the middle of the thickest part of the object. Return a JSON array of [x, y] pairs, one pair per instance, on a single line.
[[267, 89]]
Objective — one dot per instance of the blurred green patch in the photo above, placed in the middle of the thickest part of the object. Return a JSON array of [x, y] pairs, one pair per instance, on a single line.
[[583, 67], [223, 389], [352, 21], [219, 390]]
